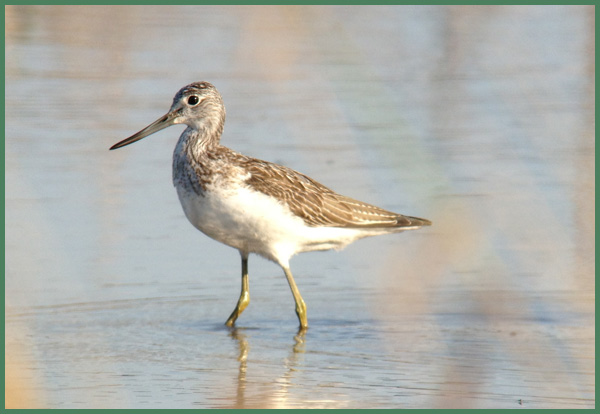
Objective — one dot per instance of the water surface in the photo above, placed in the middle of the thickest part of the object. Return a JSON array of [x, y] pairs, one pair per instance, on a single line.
[[478, 118]]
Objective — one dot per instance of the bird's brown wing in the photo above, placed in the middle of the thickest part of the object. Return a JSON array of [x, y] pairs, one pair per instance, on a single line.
[[316, 204]]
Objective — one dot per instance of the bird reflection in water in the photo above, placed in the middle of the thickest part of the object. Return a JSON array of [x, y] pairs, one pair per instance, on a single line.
[[277, 396]]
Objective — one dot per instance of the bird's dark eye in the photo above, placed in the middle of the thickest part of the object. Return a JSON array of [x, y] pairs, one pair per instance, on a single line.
[[193, 100]]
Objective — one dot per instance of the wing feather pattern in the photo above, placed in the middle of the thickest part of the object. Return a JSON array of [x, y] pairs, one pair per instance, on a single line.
[[316, 204]]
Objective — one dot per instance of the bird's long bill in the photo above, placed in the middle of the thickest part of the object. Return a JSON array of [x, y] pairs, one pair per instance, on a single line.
[[161, 123]]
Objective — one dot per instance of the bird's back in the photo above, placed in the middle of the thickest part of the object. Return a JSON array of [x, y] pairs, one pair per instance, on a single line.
[[318, 205]]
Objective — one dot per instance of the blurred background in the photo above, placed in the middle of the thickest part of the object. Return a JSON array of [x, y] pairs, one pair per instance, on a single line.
[[479, 118]]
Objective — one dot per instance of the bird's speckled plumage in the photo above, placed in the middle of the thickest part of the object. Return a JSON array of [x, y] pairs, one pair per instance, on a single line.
[[256, 206]]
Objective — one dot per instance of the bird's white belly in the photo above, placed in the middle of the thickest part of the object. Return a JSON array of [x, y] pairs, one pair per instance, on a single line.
[[253, 222]]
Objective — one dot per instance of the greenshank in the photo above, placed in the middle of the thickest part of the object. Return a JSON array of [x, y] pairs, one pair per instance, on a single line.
[[257, 206]]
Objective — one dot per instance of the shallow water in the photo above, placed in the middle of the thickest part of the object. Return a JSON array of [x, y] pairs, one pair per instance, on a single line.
[[478, 118]]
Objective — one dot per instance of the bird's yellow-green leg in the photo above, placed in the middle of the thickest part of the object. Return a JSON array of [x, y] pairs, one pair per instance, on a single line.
[[300, 305], [244, 299]]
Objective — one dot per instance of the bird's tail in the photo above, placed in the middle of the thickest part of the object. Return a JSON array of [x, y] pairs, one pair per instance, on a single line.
[[414, 222]]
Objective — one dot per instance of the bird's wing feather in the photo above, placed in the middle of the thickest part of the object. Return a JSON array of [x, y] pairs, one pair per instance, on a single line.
[[316, 204]]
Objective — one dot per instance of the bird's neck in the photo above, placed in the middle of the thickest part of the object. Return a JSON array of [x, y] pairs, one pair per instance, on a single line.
[[192, 158], [196, 150], [204, 133], [200, 139]]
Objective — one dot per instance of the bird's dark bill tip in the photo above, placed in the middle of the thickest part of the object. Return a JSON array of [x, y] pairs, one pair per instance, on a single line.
[[127, 141], [116, 146]]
